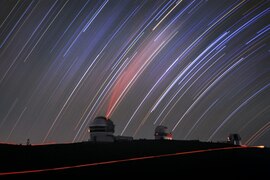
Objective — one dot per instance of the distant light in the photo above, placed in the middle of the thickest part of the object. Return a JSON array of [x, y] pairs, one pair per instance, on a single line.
[[260, 146]]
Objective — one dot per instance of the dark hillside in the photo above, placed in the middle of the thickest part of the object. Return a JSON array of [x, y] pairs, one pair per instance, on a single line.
[[134, 156]]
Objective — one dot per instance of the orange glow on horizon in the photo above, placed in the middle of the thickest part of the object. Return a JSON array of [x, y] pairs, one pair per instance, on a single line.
[[9, 143]]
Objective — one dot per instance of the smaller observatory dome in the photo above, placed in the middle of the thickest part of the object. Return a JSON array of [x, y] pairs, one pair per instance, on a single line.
[[161, 129], [161, 133]]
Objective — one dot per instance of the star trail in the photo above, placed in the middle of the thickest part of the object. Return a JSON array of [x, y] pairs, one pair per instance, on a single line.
[[201, 68]]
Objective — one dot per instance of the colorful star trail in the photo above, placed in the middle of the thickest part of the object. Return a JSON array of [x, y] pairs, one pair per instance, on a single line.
[[201, 68]]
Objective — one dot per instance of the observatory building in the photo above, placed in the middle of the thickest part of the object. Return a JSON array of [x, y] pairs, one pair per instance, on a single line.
[[101, 129], [161, 133], [234, 139]]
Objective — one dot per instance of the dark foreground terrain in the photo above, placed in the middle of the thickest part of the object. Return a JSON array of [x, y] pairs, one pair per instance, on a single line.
[[158, 158]]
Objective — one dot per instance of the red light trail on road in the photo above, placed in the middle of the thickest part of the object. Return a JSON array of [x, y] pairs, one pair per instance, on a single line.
[[126, 160]]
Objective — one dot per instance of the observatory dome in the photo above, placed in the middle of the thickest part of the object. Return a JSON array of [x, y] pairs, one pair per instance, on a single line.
[[101, 129], [101, 124], [161, 133]]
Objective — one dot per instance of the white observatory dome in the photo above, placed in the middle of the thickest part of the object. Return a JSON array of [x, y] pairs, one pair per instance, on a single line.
[[101, 129], [99, 121], [161, 129], [101, 124], [161, 133]]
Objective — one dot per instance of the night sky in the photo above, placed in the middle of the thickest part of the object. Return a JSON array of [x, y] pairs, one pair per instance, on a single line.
[[201, 68]]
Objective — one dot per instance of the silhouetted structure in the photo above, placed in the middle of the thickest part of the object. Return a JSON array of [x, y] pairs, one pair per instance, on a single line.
[[161, 133], [28, 142], [234, 139]]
